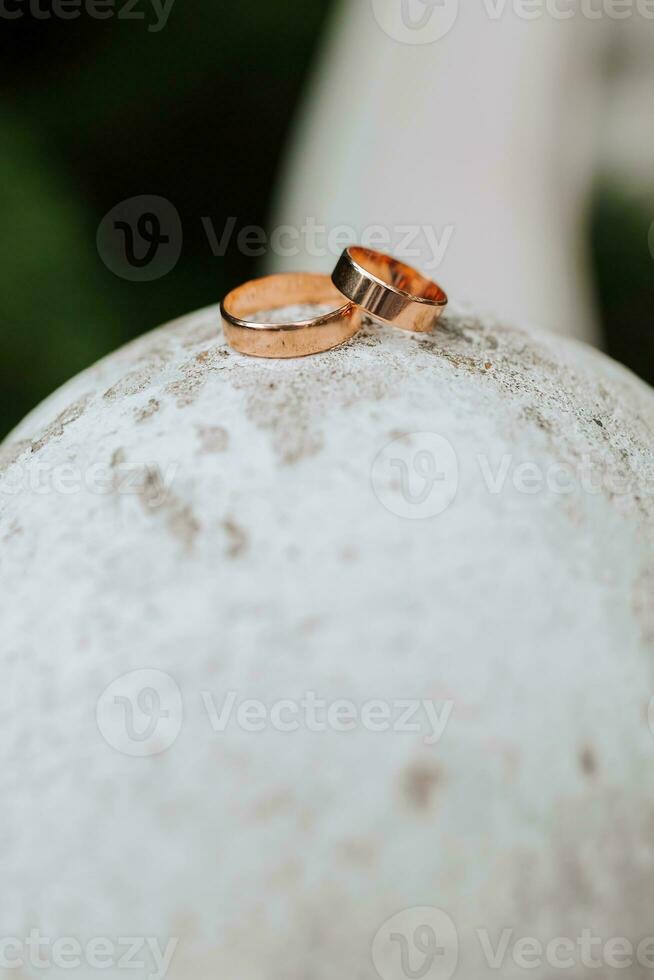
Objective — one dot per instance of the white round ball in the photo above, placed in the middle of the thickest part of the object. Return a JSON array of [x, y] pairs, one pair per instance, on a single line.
[[445, 541]]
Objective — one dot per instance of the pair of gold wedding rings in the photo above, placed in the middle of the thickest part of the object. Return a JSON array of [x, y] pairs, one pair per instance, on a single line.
[[364, 281]]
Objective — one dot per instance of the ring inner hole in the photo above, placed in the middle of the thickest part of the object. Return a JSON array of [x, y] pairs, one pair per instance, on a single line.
[[398, 275], [285, 299]]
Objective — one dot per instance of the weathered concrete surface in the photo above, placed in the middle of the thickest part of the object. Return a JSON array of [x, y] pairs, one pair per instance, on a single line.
[[270, 568]]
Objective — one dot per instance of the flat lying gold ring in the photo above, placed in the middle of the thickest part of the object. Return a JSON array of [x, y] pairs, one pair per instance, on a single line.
[[297, 339], [388, 289]]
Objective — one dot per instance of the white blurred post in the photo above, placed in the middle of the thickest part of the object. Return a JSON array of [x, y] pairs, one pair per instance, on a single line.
[[476, 127]]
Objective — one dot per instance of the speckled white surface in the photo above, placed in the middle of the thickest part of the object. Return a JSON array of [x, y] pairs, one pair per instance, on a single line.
[[270, 568]]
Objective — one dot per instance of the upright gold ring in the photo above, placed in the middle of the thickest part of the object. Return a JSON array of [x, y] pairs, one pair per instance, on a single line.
[[288, 339], [389, 289]]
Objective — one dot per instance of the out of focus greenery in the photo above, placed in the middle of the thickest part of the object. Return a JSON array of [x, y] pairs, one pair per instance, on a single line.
[[93, 112], [622, 236]]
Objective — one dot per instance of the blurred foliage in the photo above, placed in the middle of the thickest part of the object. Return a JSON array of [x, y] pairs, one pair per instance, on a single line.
[[93, 112], [623, 251], [55, 314]]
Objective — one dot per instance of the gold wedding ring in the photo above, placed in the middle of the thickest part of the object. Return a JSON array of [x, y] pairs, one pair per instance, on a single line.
[[288, 339], [388, 289]]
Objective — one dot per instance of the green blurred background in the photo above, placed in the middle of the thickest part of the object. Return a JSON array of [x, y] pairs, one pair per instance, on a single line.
[[93, 112]]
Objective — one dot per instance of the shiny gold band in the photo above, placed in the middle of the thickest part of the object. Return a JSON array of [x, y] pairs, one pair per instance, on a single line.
[[297, 339], [388, 289]]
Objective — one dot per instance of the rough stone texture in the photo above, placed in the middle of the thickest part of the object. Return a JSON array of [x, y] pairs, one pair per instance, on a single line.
[[268, 567]]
